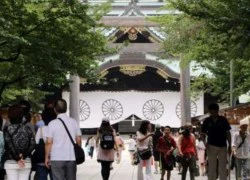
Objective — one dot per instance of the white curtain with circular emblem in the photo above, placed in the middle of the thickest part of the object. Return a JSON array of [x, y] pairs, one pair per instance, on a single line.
[[158, 107]]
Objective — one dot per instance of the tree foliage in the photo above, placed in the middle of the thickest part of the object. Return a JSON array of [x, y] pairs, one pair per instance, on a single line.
[[215, 32], [42, 41]]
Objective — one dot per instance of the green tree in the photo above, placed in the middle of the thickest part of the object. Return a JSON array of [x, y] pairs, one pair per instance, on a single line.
[[42, 41], [220, 33]]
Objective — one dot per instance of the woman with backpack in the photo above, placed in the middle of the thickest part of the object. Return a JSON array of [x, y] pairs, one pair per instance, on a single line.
[[19, 143], [144, 147], [105, 143]]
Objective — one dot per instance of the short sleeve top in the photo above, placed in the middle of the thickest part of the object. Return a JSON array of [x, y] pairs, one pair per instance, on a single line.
[[165, 144], [216, 131], [144, 144], [132, 145], [156, 137], [62, 148], [242, 152], [41, 133]]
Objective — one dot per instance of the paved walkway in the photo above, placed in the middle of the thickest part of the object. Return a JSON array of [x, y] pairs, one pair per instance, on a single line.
[[91, 170]]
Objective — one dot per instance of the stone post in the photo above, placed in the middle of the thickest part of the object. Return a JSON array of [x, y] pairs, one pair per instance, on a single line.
[[74, 96], [185, 95]]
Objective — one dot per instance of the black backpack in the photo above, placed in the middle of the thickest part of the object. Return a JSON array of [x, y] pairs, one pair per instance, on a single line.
[[107, 140]]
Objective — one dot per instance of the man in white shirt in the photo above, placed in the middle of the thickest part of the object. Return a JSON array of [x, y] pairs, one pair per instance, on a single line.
[[59, 148], [241, 147]]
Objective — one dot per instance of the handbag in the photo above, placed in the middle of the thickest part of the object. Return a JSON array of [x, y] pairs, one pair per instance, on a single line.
[[232, 162], [136, 159], [79, 152], [145, 154], [196, 171], [178, 158], [39, 154]]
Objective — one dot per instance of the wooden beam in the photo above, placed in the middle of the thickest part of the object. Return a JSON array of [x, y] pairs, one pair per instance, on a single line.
[[127, 21]]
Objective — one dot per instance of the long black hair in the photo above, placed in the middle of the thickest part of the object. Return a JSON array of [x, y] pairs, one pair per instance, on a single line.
[[144, 127], [48, 115], [105, 127]]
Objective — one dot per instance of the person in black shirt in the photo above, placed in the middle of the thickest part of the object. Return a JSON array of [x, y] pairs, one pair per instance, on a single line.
[[217, 130], [156, 154]]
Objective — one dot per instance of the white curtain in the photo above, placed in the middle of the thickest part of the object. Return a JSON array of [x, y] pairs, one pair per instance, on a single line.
[[159, 107]]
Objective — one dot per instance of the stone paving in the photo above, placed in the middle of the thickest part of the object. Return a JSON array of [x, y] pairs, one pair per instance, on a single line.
[[91, 170]]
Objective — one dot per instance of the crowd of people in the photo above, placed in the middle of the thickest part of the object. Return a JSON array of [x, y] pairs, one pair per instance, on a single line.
[[203, 152], [20, 140], [206, 152]]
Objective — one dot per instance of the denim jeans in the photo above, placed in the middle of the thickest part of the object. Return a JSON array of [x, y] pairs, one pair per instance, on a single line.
[[242, 168], [91, 151], [43, 172]]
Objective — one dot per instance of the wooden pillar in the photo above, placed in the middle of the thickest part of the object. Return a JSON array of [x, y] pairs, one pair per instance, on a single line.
[[74, 96], [185, 95]]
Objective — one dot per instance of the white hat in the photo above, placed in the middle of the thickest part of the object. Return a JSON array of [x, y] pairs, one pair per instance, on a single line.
[[188, 124], [106, 119], [245, 121], [158, 126]]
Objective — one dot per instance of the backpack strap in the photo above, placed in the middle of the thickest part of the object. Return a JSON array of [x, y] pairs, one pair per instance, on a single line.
[[1, 124], [168, 142], [70, 137], [242, 142]]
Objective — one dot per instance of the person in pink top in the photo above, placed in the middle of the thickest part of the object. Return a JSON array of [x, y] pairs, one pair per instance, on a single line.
[[201, 155], [120, 147], [187, 149], [105, 143]]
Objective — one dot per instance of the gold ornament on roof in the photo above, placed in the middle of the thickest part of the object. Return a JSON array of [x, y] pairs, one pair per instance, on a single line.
[[132, 34], [132, 70]]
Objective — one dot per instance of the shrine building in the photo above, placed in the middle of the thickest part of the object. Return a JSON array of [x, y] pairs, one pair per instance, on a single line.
[[140, 83]]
